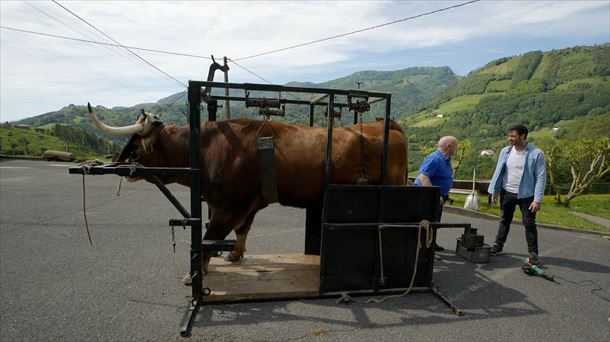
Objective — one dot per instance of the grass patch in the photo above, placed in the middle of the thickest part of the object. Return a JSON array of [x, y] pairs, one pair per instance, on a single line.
[[596, 205], [26, 142], [459, 103], [498, 86]]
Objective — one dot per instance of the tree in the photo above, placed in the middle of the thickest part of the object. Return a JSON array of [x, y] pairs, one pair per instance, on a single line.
[[588, 161], [464, 152]]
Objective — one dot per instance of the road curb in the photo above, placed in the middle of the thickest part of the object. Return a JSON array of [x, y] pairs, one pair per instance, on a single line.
[[478, 214]]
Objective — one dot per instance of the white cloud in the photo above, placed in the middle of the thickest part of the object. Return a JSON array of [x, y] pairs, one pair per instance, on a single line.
[[72, 72]]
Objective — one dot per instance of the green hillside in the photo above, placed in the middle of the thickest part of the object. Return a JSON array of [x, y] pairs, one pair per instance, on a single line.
[[410, 88], [28, 142], [568, 89]]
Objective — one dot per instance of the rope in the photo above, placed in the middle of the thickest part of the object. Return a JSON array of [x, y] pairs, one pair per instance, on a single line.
[[118, 189], [423, 225], [85, 213], [263, 125]]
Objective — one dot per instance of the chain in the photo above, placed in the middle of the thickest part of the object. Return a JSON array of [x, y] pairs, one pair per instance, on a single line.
[[361, 176], [173, 240]]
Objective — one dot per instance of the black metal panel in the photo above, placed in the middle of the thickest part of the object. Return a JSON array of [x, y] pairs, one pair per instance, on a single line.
[[313, 230], [349, 262], [352, 204], [350, 246], [410, 203], [399, 246]]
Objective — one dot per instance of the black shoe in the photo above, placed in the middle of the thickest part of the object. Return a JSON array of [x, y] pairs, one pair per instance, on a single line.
[[533, 259], [496, 250], [438, 248]]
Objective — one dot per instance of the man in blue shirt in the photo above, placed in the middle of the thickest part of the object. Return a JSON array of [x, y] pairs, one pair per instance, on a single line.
[[520, 179], [436, 170]]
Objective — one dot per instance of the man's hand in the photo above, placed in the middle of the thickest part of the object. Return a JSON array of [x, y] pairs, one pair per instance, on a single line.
[[494, 198], [534, 207]]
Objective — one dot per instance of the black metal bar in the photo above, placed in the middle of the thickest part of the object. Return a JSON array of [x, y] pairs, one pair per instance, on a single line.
[[280, 88], [126, 151], [169, 196], [386, 138], [194, 97], [384, 225], [438, 294], [329, 143], [311, 115], [126, 170], [281, 101], [185, 330], [183, 222], [212, 109], [218, 245]]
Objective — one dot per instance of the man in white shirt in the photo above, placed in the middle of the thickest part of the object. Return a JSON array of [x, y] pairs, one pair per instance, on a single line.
[[519, 179]]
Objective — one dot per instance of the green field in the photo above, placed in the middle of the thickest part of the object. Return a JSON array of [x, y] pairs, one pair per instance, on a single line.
[[18, 141], [459, 103], [596, 205]]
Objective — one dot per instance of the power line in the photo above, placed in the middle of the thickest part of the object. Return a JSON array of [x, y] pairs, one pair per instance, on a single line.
[[103, 43], [129, 47], [124, 47], [356, 31], [255, 74], [251, 72]]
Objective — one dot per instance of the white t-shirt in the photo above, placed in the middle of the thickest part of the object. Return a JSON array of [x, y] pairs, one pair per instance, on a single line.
[[514, 171]]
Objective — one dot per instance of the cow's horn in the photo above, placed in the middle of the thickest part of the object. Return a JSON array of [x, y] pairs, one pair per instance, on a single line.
[[126, 130]]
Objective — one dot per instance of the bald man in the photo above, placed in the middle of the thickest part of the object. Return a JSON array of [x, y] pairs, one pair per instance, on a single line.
[[436, 170]]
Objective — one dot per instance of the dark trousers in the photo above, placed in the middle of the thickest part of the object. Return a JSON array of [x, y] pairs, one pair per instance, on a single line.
[[508, 203], [439, 213]]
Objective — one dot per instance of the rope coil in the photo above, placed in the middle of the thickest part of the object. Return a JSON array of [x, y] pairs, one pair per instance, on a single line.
[[423, 225]]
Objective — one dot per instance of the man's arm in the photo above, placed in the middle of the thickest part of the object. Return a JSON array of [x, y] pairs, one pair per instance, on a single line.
[[425, 180], [540, 184]]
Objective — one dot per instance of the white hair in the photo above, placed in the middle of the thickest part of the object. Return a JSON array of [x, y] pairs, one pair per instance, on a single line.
[[446, 141]]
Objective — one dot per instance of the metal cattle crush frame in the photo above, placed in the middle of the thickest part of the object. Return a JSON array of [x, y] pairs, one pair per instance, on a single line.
[[382, 221]]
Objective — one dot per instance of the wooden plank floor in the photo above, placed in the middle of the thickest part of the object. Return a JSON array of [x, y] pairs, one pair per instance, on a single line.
[[257, 277]]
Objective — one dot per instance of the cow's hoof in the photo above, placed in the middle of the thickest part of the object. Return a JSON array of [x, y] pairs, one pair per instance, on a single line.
[[233, 257], [187, 280]]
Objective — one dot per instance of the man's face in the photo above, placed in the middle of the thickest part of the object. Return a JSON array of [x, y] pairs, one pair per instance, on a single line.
[[452, 148], [515, 139]]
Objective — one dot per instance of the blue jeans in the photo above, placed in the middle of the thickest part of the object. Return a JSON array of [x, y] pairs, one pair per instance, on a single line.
[[508, 203]]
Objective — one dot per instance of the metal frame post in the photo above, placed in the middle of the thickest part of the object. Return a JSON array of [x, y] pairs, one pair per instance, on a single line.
[[194, 98]]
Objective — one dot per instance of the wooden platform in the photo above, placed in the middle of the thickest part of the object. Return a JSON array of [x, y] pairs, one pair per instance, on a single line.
[[259, 277]]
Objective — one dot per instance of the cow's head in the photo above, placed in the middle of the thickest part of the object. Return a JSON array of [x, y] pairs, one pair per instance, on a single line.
[[143, 147]]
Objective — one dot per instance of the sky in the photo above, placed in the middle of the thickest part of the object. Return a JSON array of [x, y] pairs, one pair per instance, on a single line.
[[319, 41]]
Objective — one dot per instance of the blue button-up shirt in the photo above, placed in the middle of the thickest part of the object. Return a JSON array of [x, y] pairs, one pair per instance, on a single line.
[[533, 180]]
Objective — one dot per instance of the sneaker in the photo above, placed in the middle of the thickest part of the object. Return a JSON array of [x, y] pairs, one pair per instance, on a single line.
[[438, 248], [496, 250], [533, 259]]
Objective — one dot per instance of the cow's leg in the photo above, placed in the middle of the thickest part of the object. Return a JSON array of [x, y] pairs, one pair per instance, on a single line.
[[221, 224], [240, 244]]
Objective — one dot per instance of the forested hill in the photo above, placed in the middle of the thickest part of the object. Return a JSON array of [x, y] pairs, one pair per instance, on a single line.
[[410, 88], [567, 89]]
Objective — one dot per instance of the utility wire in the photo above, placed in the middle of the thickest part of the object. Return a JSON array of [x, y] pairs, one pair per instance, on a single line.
[[356, 31], [261, 77], [124, 47], [104, 43], [249, 71]]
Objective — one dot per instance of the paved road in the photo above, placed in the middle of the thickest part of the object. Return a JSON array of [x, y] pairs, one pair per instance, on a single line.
[[55, 287]]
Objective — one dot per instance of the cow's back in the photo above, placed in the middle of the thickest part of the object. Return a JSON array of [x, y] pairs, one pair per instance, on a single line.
[[232, 168]]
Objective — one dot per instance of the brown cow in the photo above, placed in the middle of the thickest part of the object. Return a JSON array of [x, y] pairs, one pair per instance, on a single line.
[[230, 177]]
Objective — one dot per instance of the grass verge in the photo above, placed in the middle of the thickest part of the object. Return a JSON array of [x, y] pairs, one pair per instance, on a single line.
[[596, 205]]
